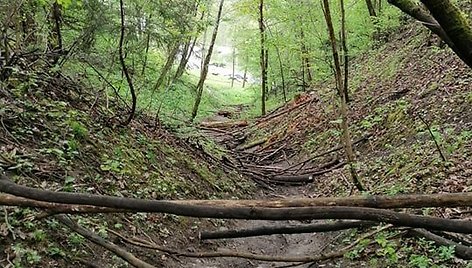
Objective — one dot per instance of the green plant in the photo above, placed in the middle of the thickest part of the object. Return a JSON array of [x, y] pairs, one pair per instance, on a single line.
[[55, 251], [420, 261], [39, 235], [446, 253], [75, 239], [387, 249], [78, 129], [23, 254]]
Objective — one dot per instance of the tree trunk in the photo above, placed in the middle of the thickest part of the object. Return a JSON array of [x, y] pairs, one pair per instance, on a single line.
[[454, 24], [419, 13], [345, 52], [123, 66], [263, 59], [168, 65], [204, 71], [339, 84], [370, 7], [234, 63], [245, 76], [146, 51], [55, 42], [188, 52], [305, 59]]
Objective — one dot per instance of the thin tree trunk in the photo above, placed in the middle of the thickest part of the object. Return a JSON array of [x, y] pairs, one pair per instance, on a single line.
[[263, 58], [123, 66], [345, 52], [148, 41], [204, 72], [371, 8], [56, 34], [339, 84], [305, 59], [167, 66], [234, 61], [188, 52], [245, 76]]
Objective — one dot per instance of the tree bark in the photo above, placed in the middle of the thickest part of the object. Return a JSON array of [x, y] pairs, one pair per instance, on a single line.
[[204, 71], [344, 114], [454, 24], [263, 59], [421, 14]]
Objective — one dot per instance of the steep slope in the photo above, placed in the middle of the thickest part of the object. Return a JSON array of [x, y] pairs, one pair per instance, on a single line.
[[59, 135], [411, 120]]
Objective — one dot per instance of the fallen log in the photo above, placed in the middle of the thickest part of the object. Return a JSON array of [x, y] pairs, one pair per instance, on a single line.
[[374, 201], [287, 229], [460, 251], [198, 209]]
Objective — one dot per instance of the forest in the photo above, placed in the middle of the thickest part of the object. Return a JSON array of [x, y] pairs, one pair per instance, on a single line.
[[236, 133]]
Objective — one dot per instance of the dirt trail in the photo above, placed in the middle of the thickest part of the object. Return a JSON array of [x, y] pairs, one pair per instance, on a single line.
[[276, 245]]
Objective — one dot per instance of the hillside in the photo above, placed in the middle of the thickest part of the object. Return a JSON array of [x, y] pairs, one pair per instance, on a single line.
[[57, 135]]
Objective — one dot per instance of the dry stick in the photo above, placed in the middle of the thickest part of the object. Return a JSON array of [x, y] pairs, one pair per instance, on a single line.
[[228, 210], [337, 148], [251, 256], [306, 177], [287, 229], [433, 138], [125, 255], [461, 251]]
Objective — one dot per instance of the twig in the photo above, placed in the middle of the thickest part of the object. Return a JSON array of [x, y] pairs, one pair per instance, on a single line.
[[433, 138]]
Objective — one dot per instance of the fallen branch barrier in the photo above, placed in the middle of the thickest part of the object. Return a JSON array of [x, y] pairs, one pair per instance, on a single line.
[[228, 209], [286, 229]]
